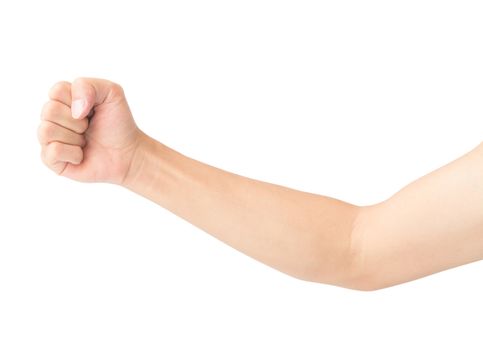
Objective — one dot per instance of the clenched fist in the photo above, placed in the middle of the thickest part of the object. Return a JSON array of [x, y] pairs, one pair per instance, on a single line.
[[87, 131]]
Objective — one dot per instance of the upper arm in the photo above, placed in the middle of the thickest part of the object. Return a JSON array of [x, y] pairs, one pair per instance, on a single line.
[[433, 224]]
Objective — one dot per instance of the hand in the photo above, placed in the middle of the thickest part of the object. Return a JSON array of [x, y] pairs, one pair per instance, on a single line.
[[87, 131]]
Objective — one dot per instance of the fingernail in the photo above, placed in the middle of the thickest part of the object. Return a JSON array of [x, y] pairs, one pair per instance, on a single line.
[[77, 108]]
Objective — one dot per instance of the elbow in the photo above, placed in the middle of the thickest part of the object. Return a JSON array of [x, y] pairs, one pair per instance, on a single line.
[[357, 270], [363, 274], [365, 282], [370, 270], [357, 278]]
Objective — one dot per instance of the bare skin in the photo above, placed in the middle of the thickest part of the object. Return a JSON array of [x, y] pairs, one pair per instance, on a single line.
[[87, 133]]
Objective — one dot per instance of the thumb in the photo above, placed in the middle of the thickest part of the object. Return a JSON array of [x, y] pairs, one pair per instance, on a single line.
[[87, 93]]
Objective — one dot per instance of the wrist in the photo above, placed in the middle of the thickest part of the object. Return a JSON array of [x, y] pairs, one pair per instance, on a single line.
[[142, 154]]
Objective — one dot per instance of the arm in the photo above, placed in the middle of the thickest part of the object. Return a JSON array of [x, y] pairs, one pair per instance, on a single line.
[[311, 237]]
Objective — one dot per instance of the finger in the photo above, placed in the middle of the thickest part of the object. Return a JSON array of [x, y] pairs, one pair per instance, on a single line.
[[88, 93], [59, 113], [61, 92], [49, 132], [56, 155]]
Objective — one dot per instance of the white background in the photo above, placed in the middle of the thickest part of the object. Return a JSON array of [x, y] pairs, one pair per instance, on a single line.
[[352, 99]]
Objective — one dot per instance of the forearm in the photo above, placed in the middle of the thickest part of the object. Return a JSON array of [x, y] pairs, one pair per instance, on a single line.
[[302, 234]]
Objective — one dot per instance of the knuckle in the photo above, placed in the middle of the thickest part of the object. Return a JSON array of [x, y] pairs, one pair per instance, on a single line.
[[45, 110], [48, 156], [49, 109], [45, 132], [58, 88], [54, 151], [116, 87]]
